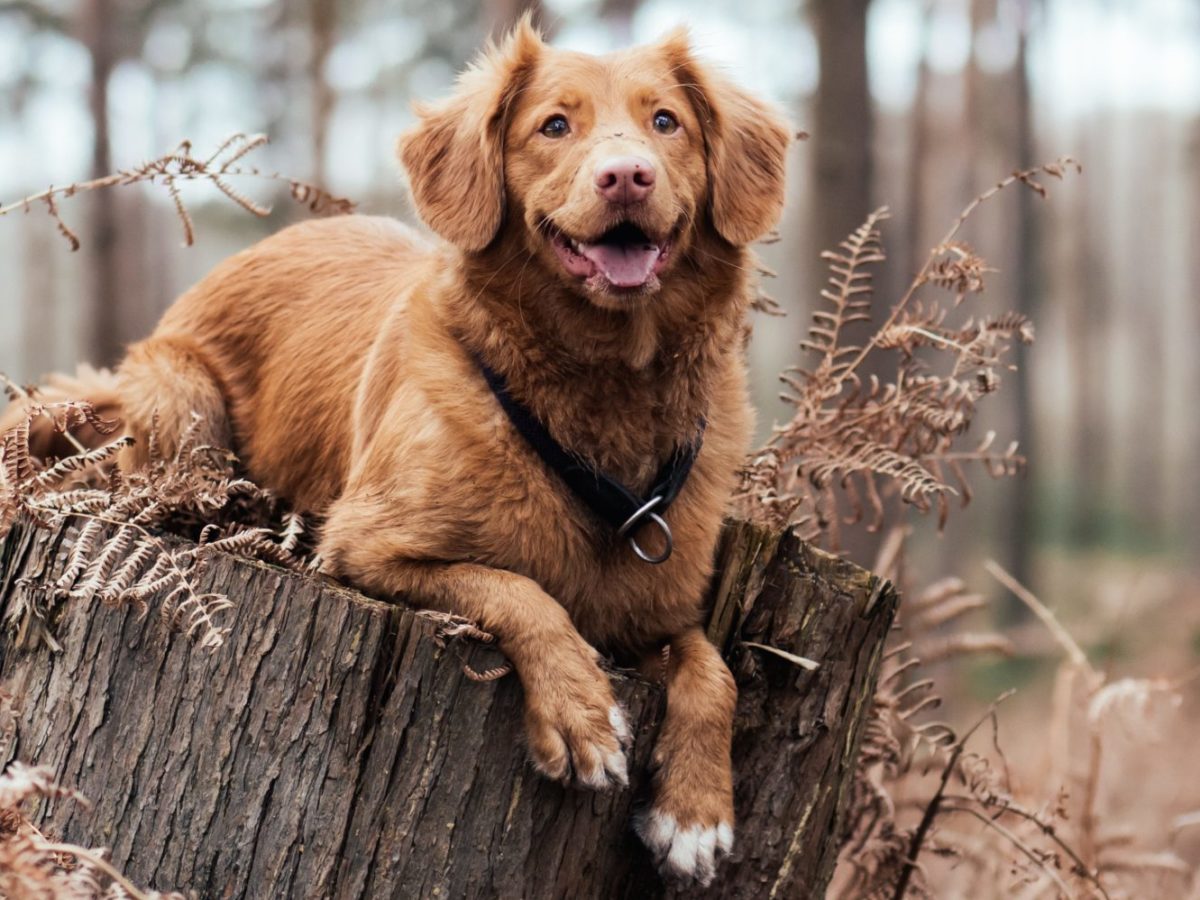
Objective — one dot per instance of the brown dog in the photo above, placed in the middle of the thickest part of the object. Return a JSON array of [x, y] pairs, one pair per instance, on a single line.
[[595, 213]]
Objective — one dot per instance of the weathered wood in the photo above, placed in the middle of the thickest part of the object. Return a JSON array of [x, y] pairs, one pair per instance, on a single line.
[[332, 748]]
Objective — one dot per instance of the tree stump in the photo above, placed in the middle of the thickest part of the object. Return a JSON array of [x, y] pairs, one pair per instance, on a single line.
[[333, 747]]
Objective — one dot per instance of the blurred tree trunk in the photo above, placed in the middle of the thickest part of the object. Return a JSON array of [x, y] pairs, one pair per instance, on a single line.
[[842, 126], [842, 133], [1020, 512], [1090, 334], [501, 15], [619, 16], [102, 344], [1191, 504], [913, 240], [1146, 288], [323, 24]]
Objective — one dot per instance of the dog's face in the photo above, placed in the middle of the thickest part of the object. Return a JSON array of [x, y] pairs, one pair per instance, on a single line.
[[605, 164], [606, 172]]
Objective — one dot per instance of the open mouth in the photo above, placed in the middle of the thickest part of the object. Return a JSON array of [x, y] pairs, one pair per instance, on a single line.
[[623, 257]]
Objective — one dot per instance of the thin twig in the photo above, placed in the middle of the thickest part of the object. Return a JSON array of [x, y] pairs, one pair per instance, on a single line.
[[1058, 632], [182, 165], [935, 802], [1016, 842]]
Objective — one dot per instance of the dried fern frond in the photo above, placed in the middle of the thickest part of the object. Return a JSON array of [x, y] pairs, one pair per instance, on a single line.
[[119, 555], [1064, 844], [859, 445], [182, 164]]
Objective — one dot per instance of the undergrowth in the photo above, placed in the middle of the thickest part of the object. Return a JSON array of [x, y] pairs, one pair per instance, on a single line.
[[881, 421], [859, 442]]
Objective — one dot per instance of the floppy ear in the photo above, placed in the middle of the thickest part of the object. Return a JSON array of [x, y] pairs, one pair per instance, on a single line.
[[746, 141], [455, 154]]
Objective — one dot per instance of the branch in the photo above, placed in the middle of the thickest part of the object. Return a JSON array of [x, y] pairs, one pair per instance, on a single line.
[[182, 165]]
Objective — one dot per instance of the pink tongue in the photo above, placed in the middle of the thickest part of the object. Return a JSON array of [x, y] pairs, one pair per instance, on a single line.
[[626, 265]]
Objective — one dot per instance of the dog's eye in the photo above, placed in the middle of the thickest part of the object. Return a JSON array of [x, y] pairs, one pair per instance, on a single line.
[[665, 123], [556, 127]]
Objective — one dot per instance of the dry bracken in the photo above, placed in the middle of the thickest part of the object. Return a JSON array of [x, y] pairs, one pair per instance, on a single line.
[[122, 554], [857, 441]]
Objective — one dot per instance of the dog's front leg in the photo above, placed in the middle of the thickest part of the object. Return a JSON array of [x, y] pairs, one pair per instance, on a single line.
[[576, 730], [690, 825]]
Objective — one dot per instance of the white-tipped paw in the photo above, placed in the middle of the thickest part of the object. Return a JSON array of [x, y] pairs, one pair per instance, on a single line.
[[584, 750], [685, 854]]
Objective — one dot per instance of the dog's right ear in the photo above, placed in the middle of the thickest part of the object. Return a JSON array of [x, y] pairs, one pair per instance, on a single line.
[[455, 154], [746, 143]]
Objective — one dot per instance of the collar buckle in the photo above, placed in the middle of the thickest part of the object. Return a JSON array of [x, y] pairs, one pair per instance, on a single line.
[[646, 513]]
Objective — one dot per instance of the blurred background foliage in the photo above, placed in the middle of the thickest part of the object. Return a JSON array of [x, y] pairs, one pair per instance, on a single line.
[[917, 104]]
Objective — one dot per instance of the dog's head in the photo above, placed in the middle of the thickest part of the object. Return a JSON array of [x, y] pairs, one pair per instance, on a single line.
[[607, 171]]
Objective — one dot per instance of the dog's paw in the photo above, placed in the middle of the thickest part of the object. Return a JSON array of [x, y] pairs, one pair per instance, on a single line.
[[577, 731], [685, 853]]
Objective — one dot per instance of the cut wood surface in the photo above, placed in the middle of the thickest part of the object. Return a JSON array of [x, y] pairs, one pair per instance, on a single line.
[[333, 747]]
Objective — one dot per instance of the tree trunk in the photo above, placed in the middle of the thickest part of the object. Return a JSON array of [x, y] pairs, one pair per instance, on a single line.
[[103, 344], [842, 124], [322, 25], [500, 15], [913, 241], [333, 748], [1021, 521], [1090, 335], [842, 136]]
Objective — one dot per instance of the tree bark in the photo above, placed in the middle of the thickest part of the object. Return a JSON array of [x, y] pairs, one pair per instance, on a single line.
[[334, 748]]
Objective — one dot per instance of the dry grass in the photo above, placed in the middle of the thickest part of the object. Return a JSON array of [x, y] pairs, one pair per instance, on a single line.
[[938, 814]]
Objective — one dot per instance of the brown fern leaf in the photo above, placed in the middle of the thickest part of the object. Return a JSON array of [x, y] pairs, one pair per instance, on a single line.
[[113, 590], [958, 269], [71, 465], [859, 446], [849, 290]]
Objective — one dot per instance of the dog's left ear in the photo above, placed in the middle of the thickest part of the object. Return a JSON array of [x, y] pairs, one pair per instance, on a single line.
[[746, 141], [455, 154]]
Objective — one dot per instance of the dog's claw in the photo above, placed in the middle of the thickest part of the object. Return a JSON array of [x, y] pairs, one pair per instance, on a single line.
[[584, 751], [685, 854], [613, 772]]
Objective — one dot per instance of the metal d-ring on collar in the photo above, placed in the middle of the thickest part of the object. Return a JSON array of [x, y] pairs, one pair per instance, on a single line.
[[636, 519], [608, 499]]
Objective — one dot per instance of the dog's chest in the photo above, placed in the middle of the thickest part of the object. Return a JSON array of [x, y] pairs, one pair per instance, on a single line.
[[532, 523]]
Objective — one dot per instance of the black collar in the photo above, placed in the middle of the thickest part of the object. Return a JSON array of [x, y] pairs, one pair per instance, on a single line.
[[610, 500]]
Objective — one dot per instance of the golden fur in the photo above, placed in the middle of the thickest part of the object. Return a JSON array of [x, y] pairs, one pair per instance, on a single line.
[[336, 357]]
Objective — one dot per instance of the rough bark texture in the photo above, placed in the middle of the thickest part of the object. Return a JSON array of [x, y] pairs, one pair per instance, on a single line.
[[332, 748]]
